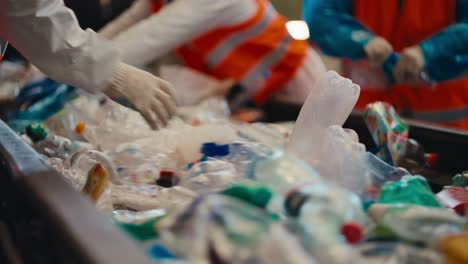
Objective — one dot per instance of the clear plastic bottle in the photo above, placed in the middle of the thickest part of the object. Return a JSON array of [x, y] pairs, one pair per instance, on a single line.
[[329, 103], [54, 146], [414, 223], [281, 172], [328, 213]]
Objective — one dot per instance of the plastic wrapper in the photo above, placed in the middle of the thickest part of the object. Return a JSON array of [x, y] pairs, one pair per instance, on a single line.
[[389, 132], [149, 197], [39, 101]]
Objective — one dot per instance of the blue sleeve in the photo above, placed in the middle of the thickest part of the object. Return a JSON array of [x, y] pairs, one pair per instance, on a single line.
[[333, 27], [446, 53]]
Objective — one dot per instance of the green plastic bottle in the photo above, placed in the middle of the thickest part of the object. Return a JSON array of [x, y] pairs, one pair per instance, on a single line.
[[409, 190]]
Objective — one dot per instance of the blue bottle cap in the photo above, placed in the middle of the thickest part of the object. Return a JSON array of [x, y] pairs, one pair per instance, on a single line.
[[211, 149], [159, 252]]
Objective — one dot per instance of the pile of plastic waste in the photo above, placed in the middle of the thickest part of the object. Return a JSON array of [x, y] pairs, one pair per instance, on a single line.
[[208, 189]]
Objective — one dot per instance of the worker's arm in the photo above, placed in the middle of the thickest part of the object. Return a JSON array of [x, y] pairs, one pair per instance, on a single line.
[[333, 27], [446, 53], [48, 34], [139, 10], [174, 25]]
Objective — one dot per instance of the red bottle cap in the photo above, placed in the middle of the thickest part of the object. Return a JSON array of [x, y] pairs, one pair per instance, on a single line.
[[353, 232], [166, 175], [432, 160], [461, 209]]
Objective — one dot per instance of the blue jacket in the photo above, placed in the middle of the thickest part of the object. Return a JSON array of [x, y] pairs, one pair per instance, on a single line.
[[338, 34]]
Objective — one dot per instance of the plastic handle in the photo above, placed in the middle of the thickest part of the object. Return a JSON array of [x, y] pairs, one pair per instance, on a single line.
[[389, 65]]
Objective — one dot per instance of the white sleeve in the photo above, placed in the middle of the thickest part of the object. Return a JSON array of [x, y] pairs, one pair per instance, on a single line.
[[139, 10], [175, 25], [47, 33]]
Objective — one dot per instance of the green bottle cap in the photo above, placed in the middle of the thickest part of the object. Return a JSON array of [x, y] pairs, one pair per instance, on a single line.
[[258, 196], [141, 231], [36, 132]]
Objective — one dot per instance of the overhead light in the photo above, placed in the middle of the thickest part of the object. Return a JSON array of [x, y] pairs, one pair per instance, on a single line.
[[298, 29]]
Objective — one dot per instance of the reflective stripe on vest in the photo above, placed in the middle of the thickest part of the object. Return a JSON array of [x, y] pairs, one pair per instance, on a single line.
[[258, 53], [232, 42], [266, 63]]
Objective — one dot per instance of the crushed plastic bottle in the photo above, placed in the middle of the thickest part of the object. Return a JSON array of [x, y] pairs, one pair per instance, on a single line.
[[328, 213], [218, 229], [142, 161], [329, 103], [281, 172], [415, 223], [210, 175], [112, 125], [54, 146], [83, 161], [140, 225]]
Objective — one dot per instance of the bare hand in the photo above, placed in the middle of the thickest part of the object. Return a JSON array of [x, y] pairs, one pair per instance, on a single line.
[[377, 50]]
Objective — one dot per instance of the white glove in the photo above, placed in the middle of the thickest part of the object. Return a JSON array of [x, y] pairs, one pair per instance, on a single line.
[[151, 96]]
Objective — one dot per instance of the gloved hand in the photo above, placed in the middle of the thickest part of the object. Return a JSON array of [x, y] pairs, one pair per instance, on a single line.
[[151, 96], [377, 50], [410, 66]]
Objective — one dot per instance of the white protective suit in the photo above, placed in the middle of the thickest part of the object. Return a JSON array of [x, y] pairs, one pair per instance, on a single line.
[[47, 34], [138, 33]]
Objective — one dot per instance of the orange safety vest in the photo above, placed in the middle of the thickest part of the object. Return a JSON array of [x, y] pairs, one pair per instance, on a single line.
[[447, 103], [258, 52]]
